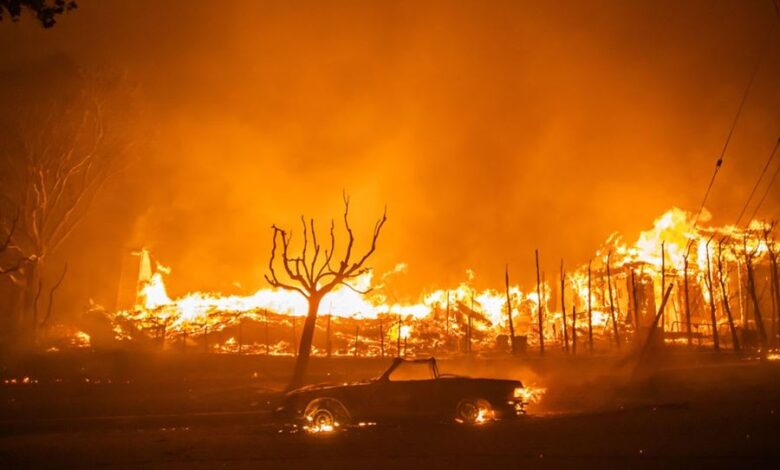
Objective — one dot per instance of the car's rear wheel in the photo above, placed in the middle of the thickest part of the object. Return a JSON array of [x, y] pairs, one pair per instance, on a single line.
[[474, 411], [325, 415]]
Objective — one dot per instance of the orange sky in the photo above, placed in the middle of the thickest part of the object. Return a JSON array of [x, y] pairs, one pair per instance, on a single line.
[[488, 128]]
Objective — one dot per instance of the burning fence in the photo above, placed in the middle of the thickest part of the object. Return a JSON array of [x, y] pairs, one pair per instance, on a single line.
[[724, 294]]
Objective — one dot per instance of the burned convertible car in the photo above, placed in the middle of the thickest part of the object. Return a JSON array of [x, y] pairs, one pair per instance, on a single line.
[[409, 389]]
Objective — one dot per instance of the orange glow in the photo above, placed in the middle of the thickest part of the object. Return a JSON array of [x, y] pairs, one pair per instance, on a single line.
[[198, 311]]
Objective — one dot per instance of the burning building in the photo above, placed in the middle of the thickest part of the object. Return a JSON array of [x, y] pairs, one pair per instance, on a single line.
[[722, 283]]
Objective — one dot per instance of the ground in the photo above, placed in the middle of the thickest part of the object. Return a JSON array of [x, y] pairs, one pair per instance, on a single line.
[[691, 410]]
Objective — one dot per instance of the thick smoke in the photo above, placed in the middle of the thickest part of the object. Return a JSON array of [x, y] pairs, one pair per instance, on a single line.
[[488, 129]]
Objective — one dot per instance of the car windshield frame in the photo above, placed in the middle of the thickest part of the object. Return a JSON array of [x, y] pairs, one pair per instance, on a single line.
[[398, 362]]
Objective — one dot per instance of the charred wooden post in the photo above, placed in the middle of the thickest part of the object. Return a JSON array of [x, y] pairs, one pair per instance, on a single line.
[[635, 301], [563, 309], [725, 299], [688, 329], [539, 303], [713, 317], [663, 281], [612, 302], [509, 312], [590, 311], [573, 329]]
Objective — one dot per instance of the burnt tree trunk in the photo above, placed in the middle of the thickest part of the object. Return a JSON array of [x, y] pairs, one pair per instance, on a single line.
[[713, 317], [304, 347]]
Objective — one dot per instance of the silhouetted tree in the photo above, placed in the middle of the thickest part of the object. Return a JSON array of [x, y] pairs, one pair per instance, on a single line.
[[313, 275], [46, 12], [57, 155]]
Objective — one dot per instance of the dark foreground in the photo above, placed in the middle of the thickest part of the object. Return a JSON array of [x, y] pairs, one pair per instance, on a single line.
[[724, 414]]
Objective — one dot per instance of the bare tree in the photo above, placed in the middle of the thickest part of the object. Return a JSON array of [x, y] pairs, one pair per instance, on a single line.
[[59, 156], [312, 274]]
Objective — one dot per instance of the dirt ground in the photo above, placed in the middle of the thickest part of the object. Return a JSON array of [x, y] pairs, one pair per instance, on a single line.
[[130, 410]]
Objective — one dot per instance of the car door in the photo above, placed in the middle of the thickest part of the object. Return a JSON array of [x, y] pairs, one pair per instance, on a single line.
[[391, 399], [405, 392]]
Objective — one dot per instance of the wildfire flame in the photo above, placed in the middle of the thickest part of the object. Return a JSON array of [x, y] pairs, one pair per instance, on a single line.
[[631, 291]]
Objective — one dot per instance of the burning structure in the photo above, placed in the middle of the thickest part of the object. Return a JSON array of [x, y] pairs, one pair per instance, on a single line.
[[722, 288]]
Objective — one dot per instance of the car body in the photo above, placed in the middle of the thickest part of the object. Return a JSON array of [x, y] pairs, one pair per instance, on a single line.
[[408, 389]]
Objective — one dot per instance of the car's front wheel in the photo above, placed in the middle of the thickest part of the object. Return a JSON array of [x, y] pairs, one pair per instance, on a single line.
[[474, 411], [325, 415]]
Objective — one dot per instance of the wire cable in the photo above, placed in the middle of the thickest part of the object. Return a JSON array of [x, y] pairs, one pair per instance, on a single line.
[[768, 188], [741, 106], [758, 183]]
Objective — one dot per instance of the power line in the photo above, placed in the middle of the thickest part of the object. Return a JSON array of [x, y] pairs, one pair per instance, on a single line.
[[758, 183], [745, 94], [768, 188]]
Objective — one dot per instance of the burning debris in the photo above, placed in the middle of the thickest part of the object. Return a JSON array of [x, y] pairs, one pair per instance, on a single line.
[[724, 295]]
